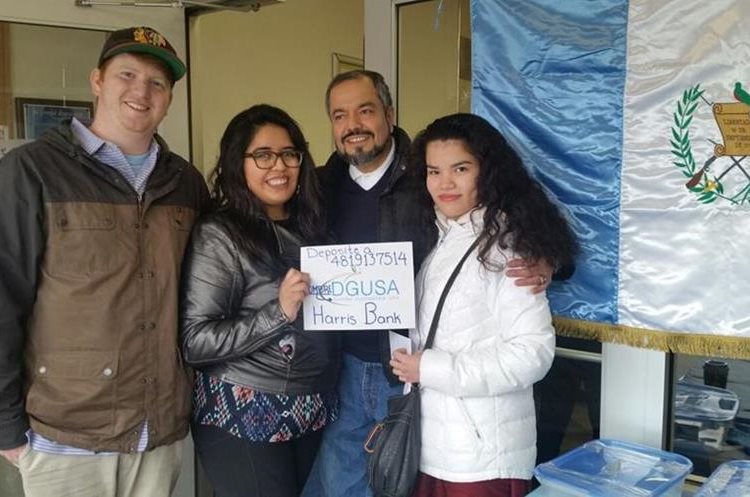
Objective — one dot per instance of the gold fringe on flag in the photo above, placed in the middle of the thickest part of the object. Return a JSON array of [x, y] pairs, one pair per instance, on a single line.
[[676, 342]]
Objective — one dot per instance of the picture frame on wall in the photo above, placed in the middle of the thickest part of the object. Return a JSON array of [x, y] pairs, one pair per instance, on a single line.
[[34, 116]]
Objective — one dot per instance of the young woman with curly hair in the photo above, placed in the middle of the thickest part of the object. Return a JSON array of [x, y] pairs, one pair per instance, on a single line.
[[494, 339]]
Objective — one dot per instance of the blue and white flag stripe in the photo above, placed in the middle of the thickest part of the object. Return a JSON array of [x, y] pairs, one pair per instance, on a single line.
[[588, 92]]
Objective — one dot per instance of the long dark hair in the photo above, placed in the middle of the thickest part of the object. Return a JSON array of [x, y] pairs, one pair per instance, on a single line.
[[518, 213], [249, 226]]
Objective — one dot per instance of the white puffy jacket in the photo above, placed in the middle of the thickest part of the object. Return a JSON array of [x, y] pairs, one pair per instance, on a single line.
[[493, 342]]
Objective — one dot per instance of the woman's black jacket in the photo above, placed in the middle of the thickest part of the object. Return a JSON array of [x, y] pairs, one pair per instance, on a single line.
[[232, 326]]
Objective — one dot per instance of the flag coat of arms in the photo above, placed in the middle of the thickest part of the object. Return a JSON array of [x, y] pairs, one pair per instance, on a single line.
[[636, 116]]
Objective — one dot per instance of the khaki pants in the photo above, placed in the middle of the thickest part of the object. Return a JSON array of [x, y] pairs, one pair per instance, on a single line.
[[147, 474]]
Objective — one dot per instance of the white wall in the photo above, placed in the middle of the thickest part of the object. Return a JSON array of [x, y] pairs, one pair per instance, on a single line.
[[634, 394], [280, 55]]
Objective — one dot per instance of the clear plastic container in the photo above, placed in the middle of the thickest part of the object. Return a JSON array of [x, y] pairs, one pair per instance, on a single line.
[[611, 468], [704, 413], [731, 479], [703, 403]]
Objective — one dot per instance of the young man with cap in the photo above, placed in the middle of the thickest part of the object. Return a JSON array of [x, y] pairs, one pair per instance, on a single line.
[[371, 196], [94, 399]]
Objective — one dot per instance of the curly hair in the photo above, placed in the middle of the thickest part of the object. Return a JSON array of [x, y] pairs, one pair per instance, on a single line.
[[518, 213], [249, 226]]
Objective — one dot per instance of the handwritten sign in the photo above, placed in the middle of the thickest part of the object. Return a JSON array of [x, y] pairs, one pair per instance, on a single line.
[[366, 286]]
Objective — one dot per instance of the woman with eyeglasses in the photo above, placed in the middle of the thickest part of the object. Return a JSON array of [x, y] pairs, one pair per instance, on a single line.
[[264, 388]]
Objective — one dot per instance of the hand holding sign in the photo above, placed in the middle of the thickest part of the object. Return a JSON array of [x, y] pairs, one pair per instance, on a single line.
[[366, 286], [406, 366], [292, 291]]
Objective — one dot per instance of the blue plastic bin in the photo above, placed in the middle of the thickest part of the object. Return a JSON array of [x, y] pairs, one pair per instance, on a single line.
[[611, 468], [731, 479]]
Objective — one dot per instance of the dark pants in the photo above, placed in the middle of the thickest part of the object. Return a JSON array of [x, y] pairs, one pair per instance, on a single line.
[[239, 468]]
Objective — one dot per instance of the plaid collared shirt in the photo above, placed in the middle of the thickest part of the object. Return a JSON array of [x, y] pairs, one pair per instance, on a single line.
[[111, 155]]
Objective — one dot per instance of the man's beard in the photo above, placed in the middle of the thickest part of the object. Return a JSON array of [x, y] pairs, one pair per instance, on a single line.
[[361, 156]]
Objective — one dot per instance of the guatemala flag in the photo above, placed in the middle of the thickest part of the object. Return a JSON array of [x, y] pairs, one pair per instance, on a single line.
[[636, 116]]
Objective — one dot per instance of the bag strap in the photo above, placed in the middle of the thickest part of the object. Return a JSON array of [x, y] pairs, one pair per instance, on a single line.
[[441, 301]]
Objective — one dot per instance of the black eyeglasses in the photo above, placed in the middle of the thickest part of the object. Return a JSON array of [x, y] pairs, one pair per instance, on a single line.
[[266, 159]]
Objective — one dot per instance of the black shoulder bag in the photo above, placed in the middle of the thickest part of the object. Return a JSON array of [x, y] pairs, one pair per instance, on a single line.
[[394, 444]]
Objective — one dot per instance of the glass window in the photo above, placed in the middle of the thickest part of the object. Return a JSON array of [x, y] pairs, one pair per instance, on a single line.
[[568, 399], [434, 62], [710, 425], [44, 78]]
